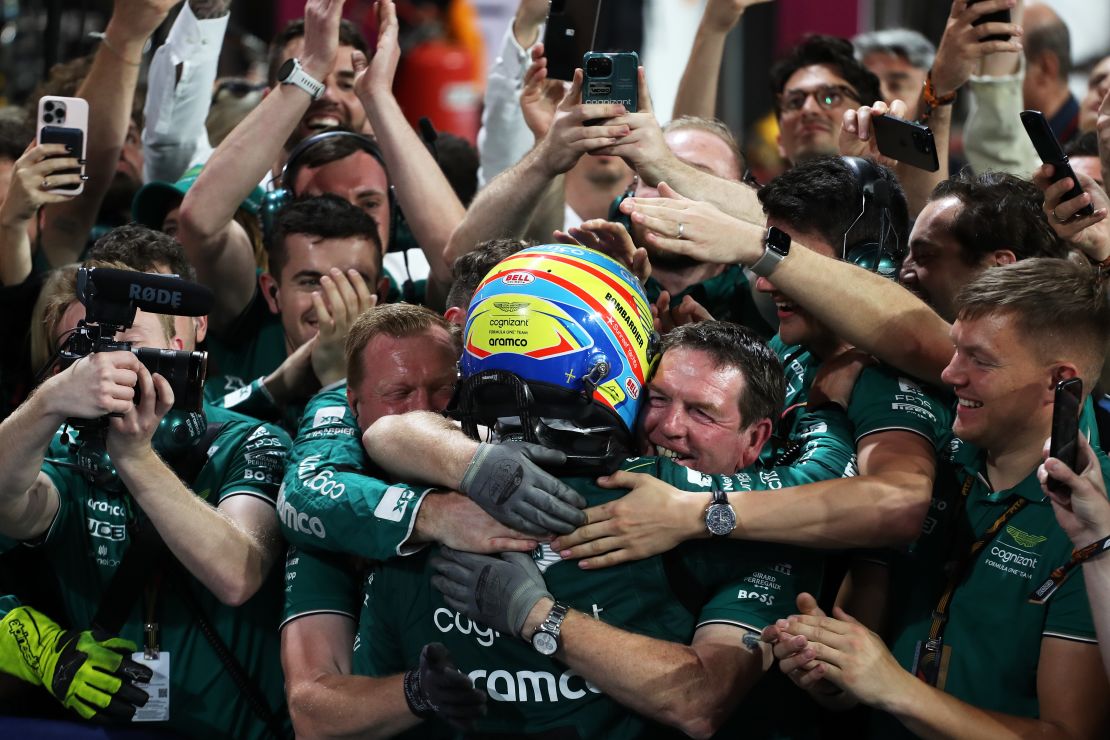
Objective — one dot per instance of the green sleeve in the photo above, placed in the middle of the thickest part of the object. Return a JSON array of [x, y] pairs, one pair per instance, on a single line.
[[377, 649], [328, 501], [827, 451], [252, 399], [250, 459], [319, 583], [765, 582], [884, 401]]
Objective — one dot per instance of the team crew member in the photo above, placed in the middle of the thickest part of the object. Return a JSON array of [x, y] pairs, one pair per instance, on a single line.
[[684, 661], [990, 541], [219, 528]]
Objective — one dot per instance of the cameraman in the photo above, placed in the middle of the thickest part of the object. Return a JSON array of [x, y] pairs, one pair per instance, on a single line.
[[209, 585]]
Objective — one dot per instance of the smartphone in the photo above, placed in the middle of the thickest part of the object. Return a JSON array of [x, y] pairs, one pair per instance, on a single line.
[[1049, 150], [998, 16], [906, 141], [64, 121], [611, 78], [570, 33], [1064, 445]]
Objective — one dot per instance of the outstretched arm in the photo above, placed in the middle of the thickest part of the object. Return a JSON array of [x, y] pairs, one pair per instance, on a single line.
[[697, 91], [218, 247], [110, 90]]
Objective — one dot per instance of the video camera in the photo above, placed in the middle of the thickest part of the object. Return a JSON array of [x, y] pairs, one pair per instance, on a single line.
[[111, 298]]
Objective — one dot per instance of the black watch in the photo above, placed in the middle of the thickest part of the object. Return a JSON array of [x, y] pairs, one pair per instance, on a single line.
[[776, 245], [720, 517]]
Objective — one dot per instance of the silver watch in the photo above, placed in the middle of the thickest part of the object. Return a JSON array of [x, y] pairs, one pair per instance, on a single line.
[[546, 637], [292, 73], [720, 517], [776, 245]]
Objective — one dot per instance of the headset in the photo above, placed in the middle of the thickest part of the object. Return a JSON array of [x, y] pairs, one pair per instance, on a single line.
[[277, 199], [884, 256]]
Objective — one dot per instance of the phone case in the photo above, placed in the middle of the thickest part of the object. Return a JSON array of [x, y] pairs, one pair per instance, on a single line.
[[64, 121], [1049, 150], [1064, 443], [998, 16], [621, 85], [906, 141]]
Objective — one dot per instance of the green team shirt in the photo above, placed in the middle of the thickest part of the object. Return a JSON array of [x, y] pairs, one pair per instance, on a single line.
[[745, 584], [999, 673], [882, 400], [90, 534], [319, 582], [252, 346], [329, 501], [727, 297]]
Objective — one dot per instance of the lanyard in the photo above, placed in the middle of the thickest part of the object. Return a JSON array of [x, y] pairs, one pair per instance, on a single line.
[[1059, 575], [940, 614]]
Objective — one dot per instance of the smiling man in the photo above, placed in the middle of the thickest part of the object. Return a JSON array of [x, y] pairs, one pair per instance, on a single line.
[[813, 87]]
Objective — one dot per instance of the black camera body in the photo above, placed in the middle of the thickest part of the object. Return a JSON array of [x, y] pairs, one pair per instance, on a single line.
[[111, 298]]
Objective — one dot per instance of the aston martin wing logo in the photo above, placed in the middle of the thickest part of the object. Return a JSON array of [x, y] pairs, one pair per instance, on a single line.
[[1024, 538], [510, 307]]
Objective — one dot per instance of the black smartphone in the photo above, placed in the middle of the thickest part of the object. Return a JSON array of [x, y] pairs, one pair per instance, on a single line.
[[1049, 150], [998, 16], [74, 138], [906, 141], [571, 29], [1064, 445], [611, 78]]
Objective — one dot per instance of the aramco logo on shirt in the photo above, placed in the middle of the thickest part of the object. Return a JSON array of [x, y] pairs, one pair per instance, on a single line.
[[537, 686]]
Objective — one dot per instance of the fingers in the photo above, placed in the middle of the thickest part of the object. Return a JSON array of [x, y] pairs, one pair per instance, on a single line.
[[619, 479], [644, 93], [543, 455], [455, 594], [359, 62], [670, 193], [436, 656], [164, 397], [573, 545], [511, 544], [808, 605], [574, 92], [844, 616], [325, 324], [550, 514]]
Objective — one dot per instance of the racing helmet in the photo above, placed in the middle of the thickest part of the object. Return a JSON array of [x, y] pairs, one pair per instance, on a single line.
[[557, 347]]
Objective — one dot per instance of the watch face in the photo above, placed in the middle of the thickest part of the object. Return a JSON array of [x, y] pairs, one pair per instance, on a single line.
[[286, 70], [778, 240], [544, 643], [720, 519]]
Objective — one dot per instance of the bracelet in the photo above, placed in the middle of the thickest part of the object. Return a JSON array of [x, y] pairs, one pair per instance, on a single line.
[[103, 38], [929, 92], [414, 696]]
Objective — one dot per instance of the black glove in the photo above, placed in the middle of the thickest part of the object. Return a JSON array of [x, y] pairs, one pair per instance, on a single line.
[[496, 591], [507, 482], [438, 688]]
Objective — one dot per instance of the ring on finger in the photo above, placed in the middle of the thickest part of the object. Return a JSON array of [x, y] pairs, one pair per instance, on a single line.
[[681, 230], [1058, 219], [45, 183]]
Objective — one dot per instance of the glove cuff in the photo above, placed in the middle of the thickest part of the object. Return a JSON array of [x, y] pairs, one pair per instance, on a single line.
[[474, 466], [418, 702], [25, 636]]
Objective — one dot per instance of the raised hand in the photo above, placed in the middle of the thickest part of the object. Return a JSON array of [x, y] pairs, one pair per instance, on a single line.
[[962, 46], [341, 299], [321, 36], [569, 137], [541, 95], [376, 76]]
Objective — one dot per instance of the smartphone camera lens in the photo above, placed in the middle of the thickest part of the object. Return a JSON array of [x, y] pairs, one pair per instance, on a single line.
[[599, 67], [48, 107]]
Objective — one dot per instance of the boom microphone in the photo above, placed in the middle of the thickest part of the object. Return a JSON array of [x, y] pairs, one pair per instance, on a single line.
[[164, 294]]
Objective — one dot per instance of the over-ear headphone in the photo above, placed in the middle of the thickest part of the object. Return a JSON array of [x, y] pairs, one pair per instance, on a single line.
[[276, 199], [885, 255]]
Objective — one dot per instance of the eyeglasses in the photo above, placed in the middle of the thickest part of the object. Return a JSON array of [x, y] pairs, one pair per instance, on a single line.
[[827, 96], [236, 87]]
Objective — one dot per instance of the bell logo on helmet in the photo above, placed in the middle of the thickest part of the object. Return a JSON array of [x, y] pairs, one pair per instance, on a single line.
[[518, 278]]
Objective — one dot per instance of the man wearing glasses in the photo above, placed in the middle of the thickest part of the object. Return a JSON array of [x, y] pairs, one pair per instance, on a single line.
[[813, 87]]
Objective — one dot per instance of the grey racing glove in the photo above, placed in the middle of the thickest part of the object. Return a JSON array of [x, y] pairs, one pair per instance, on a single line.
[[438, 688], [496, 591], [506, 480]]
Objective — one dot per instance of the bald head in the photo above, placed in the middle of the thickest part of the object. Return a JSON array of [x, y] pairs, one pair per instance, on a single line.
[[1048, 59]]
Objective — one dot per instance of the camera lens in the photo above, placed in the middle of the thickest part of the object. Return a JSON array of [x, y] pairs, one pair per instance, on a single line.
[[48, 106], [600, 67], [184, 370], [48, 118]]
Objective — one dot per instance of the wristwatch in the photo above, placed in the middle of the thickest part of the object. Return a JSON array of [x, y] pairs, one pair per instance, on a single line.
[[546, 637], [776, 245], [292, 73], [720, 517]]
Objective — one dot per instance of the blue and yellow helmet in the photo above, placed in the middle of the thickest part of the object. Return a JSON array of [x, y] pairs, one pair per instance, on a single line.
[[565, 331]]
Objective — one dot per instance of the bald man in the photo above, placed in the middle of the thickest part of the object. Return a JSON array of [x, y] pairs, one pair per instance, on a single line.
[[1048, 63]]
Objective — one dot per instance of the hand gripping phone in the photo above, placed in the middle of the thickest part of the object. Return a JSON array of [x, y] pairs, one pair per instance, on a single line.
[[998, 16], [1049, 150], [906, 141], [1064, 445], [64, 121]]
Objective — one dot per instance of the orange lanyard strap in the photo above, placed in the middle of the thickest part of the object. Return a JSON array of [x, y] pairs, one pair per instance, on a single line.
[[1059, 575]]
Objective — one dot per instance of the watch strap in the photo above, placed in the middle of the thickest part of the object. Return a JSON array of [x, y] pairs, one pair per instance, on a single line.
[[772, 256], [299, 78]]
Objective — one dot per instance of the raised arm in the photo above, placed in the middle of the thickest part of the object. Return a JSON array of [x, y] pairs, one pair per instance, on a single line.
[[504, 207], [179, 90], [218, 247], [862, 308], [426, 198], [110, 90], [697, 91], [646, 152]]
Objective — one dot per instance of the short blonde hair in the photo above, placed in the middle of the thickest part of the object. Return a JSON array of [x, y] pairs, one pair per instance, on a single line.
[[395, 320]]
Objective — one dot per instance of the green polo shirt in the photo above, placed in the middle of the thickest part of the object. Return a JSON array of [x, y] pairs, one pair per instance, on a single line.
[[727, 297], [994, 632], [252, 346], [319, 582], [90, 535], [882, 400]]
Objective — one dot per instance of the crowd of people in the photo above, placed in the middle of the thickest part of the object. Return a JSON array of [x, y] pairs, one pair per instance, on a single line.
[[585, 433]]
